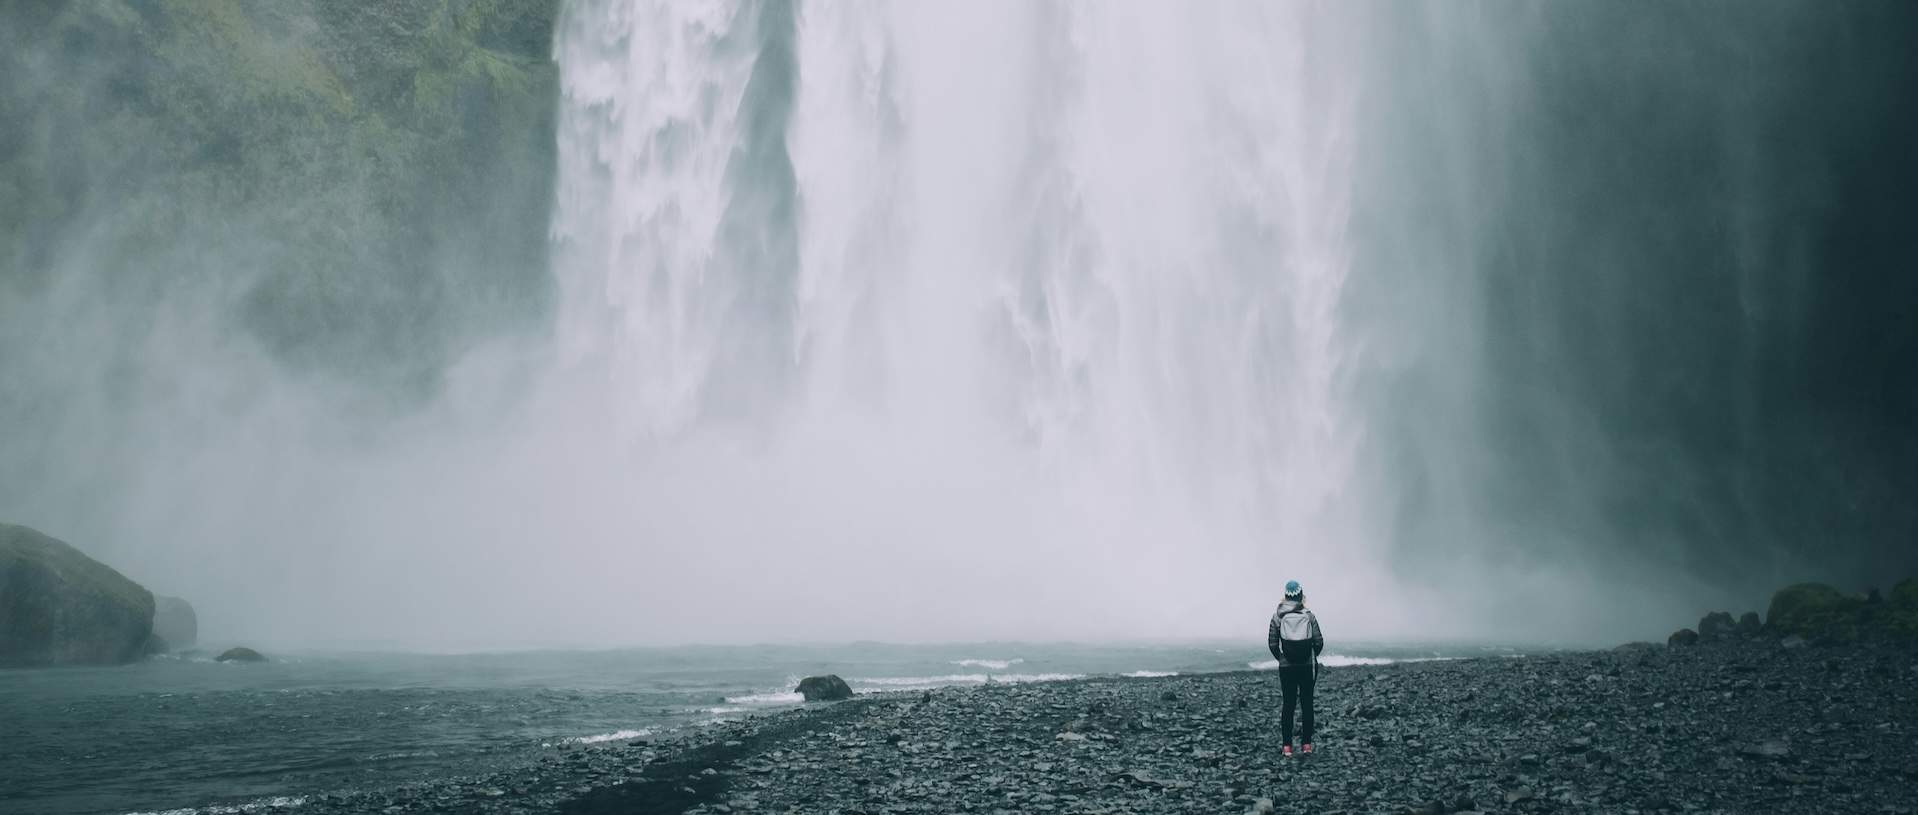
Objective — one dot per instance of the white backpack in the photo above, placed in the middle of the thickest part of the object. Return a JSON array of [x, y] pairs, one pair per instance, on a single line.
[[1296, 626]]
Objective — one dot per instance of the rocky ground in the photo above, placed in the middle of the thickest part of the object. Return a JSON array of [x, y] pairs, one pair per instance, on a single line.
[[1740, 726]]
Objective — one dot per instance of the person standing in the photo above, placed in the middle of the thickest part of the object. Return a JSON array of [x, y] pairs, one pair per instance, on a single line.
[[1295, 641]]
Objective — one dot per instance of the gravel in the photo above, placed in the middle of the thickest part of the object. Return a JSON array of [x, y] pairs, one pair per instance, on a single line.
[[1740, 726]]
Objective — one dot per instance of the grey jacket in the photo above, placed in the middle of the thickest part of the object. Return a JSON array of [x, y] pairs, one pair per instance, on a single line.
[[1304, 652]]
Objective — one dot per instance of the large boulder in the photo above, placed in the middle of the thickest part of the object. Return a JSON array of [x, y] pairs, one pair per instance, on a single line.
[[240, 655], [1816, 611], [829, 688], [60, 607], [174, 622], [1749, 625], [1682, 637], [1716, 625], [1902, 610], [1905, 594]]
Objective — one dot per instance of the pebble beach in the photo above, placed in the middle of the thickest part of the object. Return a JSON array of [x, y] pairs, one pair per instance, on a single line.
[[1733, 727]]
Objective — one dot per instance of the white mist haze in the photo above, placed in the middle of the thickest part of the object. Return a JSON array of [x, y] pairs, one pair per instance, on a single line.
[[907, 322]]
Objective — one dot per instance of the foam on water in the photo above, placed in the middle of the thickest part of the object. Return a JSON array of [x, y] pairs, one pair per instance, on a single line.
[[929, 682], [1342, 661], [617, 735], [767, 698], [274, 804], [993, 664], [1149, 674]]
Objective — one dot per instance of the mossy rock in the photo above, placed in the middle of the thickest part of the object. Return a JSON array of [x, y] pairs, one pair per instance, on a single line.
[[175, 623], [828, 688], [1905, 594], [1816, 611], [1716, 625], [60, 607], [1901, 610]]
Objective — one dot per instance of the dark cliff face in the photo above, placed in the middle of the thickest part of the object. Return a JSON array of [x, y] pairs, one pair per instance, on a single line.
[[1689, 312], [60, 607], [204, 198], [357, 188]]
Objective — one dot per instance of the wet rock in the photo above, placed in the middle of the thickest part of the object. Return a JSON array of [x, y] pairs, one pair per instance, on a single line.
[[1749, 625], [240, 655], [60, 607], [1682, 637], [829, 688], [1815, 611], [1765, 749], [175, 623], [1716, 625]]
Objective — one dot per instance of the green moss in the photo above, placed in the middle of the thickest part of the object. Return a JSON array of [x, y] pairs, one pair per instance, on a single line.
[[58, 606], [1816, 610], [343, 177], [1905, 594]]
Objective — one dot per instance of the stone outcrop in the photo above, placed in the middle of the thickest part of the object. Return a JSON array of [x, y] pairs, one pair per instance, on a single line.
[[829, 688], [60, 607], [1716, 625], [1821, 613], [174, 623], [240, 655]]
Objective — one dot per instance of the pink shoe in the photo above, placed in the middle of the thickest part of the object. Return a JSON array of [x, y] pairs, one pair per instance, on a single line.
[[1286, 751], [1307, 749]]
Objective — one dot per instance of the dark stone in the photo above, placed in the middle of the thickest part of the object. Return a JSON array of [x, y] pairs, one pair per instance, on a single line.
[[60, 607], [1716, 625], [1749, 624], [1683, 636], [828, 688], [240, 655], [174, 622], [1815, 611]]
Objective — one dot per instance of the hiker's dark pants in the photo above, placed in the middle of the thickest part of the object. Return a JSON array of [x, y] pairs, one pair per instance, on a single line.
[[1296, 683]]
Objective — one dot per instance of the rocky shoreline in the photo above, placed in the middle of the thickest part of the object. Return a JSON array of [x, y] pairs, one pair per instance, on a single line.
[[1736, 725]]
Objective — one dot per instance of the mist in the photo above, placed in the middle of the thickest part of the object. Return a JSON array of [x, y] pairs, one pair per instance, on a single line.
[[820, 323]]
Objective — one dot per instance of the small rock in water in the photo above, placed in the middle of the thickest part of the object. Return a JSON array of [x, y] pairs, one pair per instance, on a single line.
[[240, 655], [828, 688]]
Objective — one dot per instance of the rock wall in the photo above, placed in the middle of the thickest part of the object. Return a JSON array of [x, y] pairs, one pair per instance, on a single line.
[[360, 188], [175, 623], [60, 607]]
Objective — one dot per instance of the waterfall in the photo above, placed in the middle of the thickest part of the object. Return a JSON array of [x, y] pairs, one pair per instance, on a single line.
[[1110, 247]]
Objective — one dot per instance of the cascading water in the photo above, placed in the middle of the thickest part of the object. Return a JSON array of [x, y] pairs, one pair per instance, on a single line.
[[954, 321], [1014, 247]]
